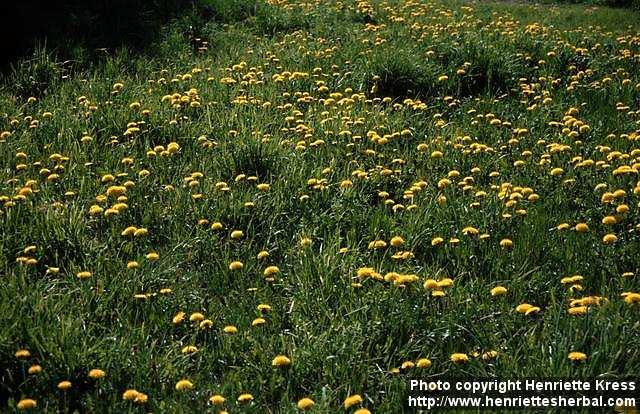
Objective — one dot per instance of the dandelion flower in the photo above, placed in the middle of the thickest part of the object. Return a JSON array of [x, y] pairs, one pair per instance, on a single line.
[[196, 317], [130, 395], [64, 385], [609, 239], [184, 385], [258, 322], [217, 399], [506, 243], [352, 400], [96, 373], [34, 369], [305, 403], [281, 361], [498, 291], [459, 358], [244, 398], [237, 234], [423, 363], [83, 275], [230, 329], [236, 265], [397, 241], [26, 404], [271, 271], [22, 354], [189, 349], [577, 356], [178, 318]]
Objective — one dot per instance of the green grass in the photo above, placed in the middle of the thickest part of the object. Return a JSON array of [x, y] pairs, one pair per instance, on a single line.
[[531, 67]]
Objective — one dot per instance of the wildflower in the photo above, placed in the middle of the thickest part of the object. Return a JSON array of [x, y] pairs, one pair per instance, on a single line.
[[352, 400], [609, 239], [206, 324], [271, 270], [237, 234], [130, 395], [196, 317], [184, 385], [489, 355], [459, 358], [582, 227], [506, 243], [83, 275], [578, 310], [244, 398], [236, 265], [397, 241], [22, 354], [34, 369], [230, 329], [362, 411], [64, 385], [217, 399], [264, 307], [140, 232], [281, 361], [470, 231], [189, 349], [258, 322], [26, 404], [577, 356], [498, 291], [423, 363], [152, 256], [305, 403], [96, 373], [178, 318]]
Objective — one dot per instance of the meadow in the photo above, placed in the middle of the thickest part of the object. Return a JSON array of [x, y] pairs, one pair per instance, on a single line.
[[282, 206]]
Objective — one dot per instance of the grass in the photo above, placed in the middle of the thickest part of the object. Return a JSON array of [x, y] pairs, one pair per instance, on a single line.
[[443, 123]]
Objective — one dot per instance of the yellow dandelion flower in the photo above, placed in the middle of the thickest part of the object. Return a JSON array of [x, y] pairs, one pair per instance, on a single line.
[[178, 318], [196, 317], [271, 270], [130, 395], [189, 349], [305, 403], [26, 404], [96, 373], [281, 361], [577, 356], [184, 385], [64, 385], [498, 291], [423, 363], [459, 358], [236, 265], [396, 241], [34, 369], [217, 399], [22, 354], [245, 398], [352, 400]]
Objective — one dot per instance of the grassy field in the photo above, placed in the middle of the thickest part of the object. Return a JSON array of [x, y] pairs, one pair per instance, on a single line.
[[319, 200]]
